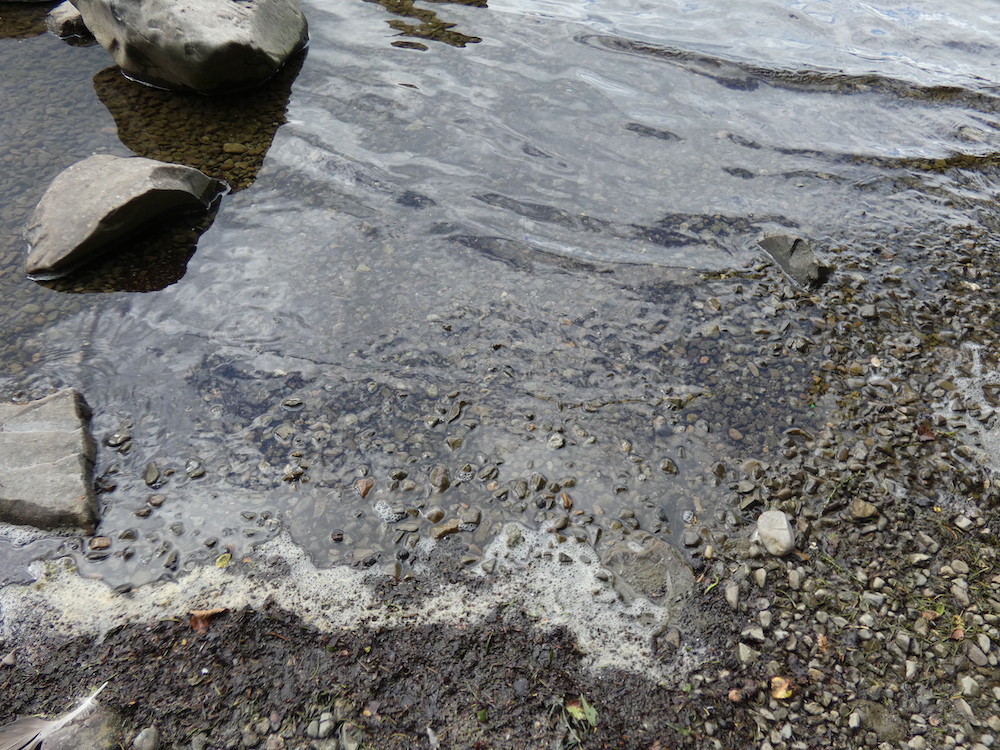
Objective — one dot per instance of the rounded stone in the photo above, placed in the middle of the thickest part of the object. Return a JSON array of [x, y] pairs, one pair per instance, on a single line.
[[775, 532]]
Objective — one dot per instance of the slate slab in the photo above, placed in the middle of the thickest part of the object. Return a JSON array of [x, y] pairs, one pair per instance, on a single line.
[[47, 462]]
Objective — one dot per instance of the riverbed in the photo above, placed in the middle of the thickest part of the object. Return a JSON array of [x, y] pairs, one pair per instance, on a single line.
[[502, 270]]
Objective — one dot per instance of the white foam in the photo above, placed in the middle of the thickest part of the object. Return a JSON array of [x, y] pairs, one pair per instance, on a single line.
[[19, 536], [530, 574], [972, 389]]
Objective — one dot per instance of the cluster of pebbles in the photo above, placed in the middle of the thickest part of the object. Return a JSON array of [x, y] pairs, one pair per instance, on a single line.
[[882, 628]]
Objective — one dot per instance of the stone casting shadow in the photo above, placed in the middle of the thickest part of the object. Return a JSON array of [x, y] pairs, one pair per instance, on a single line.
[[151, 259], [226, 137]]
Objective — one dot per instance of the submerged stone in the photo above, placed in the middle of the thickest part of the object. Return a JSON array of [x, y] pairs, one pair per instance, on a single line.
[[654, 570], [102, 199], [46, 463], [209, 46], [65, 21]]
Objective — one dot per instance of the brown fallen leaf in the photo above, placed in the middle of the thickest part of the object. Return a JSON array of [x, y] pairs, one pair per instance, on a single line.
[[200, 617], [959, 632]]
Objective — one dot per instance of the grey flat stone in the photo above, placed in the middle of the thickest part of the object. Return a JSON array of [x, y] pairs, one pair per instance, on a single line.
[[102, 199], [46, 463]]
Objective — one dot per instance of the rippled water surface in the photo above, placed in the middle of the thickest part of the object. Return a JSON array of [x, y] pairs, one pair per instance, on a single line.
[[510, 241]]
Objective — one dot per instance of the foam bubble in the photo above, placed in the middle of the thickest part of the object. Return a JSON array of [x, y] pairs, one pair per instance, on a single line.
[[986, 428], [19, 536], [386, 512]]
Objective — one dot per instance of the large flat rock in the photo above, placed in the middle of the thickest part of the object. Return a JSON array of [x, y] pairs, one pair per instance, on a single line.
[[651, 568], [47, 462]]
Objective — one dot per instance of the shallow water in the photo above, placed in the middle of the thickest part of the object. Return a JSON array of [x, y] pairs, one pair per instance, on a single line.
[[534, 254]]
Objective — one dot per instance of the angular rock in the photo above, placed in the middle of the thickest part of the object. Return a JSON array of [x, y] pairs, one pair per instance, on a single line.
[[444, 529], [775, 532], [102, 199], [46, 463], [209, 46], [65, 21], [796, 259], [861, 509]]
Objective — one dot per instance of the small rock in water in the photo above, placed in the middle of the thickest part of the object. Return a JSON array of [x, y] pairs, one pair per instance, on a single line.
[[151, 474], [796, 259], [101, 199], [440, 478], [448, 527]]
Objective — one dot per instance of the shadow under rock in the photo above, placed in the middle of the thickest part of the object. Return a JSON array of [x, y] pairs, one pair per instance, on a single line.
[[150, 259], [226, 136]]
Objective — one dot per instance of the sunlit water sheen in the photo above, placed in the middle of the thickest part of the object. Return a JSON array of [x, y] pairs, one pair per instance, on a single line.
[[523, 221]]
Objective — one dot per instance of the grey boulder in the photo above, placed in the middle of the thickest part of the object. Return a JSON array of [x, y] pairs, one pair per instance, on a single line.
[[208, 46], [47, 462], [102, 199]]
